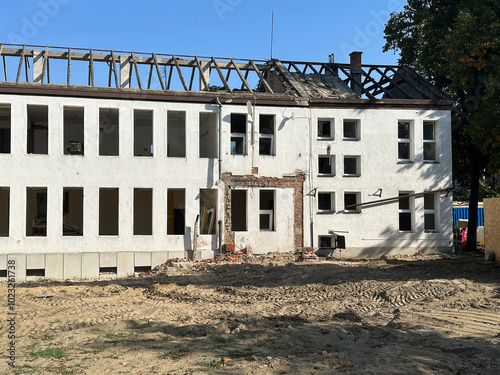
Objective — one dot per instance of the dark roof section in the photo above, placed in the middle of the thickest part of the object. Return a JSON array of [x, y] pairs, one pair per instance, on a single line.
[[87, 72]]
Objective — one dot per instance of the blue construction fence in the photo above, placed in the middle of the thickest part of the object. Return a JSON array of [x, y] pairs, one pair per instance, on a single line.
[[463, 213]]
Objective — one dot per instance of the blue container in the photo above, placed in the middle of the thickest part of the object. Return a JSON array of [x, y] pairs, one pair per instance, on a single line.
[[463, 213]]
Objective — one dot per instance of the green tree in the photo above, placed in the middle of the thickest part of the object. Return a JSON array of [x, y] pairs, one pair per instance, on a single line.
[[456, 44]]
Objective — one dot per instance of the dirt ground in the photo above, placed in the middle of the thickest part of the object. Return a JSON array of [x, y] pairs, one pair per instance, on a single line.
[[269, 315]]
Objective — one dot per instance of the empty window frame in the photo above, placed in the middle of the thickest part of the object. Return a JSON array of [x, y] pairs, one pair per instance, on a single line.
[[352, 166], [143, 132], [238, 134], [325, 129], [108, 211], [430, 212], [404, 141], [326, 202], [208, 211], [72, 219], [36, 211], [4, 211], [176, 207], [429, 138], [266, 135], [238, 210], [38, 129], [326, 242], [73, 130], [208, 135], [406, 205], [176, 134], [5, 125], [351, 131], [266, 210], [143, 211], [326, 165], [352, 198], [109, 135]]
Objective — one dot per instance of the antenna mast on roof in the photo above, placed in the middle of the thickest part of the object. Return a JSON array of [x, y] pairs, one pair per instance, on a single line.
[[272, 29]]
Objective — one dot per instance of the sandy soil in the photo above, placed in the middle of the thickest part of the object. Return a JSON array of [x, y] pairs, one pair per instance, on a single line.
[[415, 315]]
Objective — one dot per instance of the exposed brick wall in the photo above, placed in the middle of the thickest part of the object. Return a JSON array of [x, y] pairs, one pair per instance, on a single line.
[[248, 181]]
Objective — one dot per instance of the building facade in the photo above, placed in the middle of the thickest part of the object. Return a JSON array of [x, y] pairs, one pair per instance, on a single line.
[[115, 162]]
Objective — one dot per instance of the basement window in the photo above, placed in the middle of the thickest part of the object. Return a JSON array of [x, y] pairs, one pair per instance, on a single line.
[[35, 272], [325, 242], [5, 121], [325, 129], [351, 130], [176, 205], [208, 211], [326, 165], [352, 166], [108, 211], [38, 129], [176, 134], [238, 134], [326, 202], [266, 210], [238, 210], [266, 135], [406, 205], [208, 135], [109, 143], [73, 130], [143, 132], [352, 198], [72, 211], [143, 211], [4, 211], [36, 211]]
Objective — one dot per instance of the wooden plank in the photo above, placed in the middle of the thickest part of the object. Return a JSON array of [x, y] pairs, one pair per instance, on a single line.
[[45, 60], [169, 77], [26, 64], [448, 190], [211, 228], [351, 79], [68, 78], [6, 76], [205, 83], [155, 62], [48, 71], [191, 79], [113, 68], [243, 79], [150, 76], [20, 66], [180, 73], [261, 77], [136, 72], [221, 76], [91, 69], [203, 220]]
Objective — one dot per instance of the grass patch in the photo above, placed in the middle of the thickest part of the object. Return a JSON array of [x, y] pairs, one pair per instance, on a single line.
[[175, 354], [49, 353], [55, 321], [119, 335]]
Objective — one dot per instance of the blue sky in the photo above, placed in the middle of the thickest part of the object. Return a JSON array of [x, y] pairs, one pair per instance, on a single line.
[[303, 30]]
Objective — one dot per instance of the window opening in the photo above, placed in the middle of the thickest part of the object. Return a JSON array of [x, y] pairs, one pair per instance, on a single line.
[[430, 149], [143, 132], [208, 211], [326, 202], [176, 134], [326, 165], [404, 140], [38, 129], [72, 211], [351, 130], [238, 134], [208, 135], [143, 211], [109, 142], [325, 129], [430, 212], [36, 211], [238, 210], [73, 130], [351, 199], [266, 213], [5, 125], [4, 211], [405, 211], [108, 211], [266, 137], [176, 211], [352, 166]]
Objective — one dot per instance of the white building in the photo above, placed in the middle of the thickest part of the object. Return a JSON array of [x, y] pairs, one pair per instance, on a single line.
[[115, 162]]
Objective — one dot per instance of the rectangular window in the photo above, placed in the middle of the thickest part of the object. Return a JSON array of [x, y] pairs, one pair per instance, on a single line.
[[208, 135], [326, 165], [143, 211], [176, 134], [176, 207], [325, 242], [352, 165], [143, 132], [73, 130], [72, 211], [350, 199], [326, 202], [36, 211], [238, 134], [351, 130], [266, 135], [5, 128], [430, 212], [405, 211], [109, 142], [108, 211], [38, 129], [238, 210], [4, 211], [325, 129], [266, 210], [404, 141], [208, 211], [430, 136]]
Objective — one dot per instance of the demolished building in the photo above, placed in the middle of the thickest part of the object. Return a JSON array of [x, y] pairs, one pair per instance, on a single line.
[[115, 161]]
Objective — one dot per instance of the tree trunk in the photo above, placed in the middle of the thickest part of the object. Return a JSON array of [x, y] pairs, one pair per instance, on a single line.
[[474, 196]]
